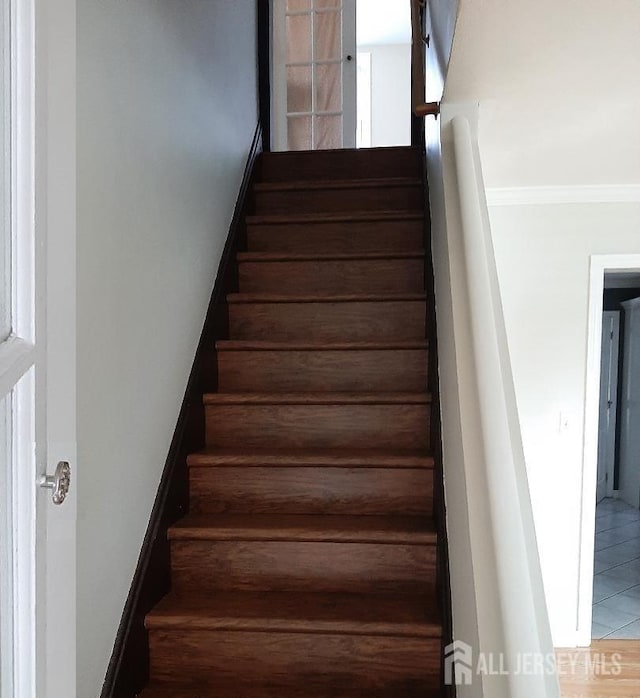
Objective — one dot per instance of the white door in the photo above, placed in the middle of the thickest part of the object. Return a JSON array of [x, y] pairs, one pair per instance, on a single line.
[[37, 348], [630, 407], [314, 74], [608, 403]]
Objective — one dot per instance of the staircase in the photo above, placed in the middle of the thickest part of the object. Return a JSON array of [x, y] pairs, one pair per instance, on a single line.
[[306, 565]]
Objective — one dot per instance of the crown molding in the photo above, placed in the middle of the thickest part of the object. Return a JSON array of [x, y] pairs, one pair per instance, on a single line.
[[591, 194]]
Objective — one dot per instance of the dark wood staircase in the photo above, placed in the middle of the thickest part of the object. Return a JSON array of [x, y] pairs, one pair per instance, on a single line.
[[307, 564]]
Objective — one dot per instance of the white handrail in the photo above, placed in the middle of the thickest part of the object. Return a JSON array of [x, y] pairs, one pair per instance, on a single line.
[[520, 630]]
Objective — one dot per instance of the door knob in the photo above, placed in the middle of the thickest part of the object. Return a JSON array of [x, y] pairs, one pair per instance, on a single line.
[[59, 482], [349, 58]]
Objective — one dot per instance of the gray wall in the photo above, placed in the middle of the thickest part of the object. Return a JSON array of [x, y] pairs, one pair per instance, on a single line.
[[167, 107]]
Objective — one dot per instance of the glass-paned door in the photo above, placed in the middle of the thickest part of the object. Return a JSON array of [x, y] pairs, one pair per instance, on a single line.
[[314, 74]]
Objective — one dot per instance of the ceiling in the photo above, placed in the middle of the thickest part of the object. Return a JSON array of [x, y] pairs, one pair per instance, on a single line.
[[381, 22], [559, 89]]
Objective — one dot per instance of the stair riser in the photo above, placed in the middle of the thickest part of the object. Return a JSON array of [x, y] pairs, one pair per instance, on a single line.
[[318, 371], [350, 321], [377, 666], [318, 426], [302, 201], [348, 491], [357, 164], [302, 690], [207, 566], [352, 276], [368, 236]]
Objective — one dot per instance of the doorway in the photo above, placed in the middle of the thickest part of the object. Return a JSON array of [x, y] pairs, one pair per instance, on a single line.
[[340, 74], [609, 599], [383, 39], [314, 74]]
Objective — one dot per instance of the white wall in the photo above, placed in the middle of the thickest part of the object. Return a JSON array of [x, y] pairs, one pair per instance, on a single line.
[[383, 22], [390, 94], [554, 81], [167, 109], [543, 265]]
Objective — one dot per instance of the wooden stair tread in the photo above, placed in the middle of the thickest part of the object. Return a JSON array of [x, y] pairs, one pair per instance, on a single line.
[[307, 528], [339, 458], [259, 345], [333, 398], [325, 257], [300, 612], [324, 298], [333, 217], [306, 184]]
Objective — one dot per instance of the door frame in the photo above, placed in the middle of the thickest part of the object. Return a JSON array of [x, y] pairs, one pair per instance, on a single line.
[[629, 479], [21, 353], [611, 437], [599, 265], [38, 363], [55, 184]]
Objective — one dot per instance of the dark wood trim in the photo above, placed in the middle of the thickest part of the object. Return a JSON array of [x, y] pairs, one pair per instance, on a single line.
[[417, 122], [439, 507], [264, 71], [417, 131], [127, 672]]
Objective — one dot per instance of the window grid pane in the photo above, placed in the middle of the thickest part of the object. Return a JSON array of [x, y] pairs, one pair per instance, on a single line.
[[300, 132], [299, 89], [299, 38], [328, 83], [327, 35], [298, 5], [327, 4]]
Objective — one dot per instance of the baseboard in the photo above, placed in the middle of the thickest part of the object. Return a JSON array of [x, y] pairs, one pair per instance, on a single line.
[[440, 514], [127, 672]]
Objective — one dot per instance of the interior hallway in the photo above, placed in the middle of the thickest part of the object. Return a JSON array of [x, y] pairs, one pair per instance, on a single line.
[[616, 585]]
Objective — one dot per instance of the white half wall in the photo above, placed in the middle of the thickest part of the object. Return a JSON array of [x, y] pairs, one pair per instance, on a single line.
[[447, 254], [390, 94], [167, 107], [543, 256]]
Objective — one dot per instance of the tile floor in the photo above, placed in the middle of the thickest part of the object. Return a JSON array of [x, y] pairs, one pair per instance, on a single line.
[[616, 585]]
